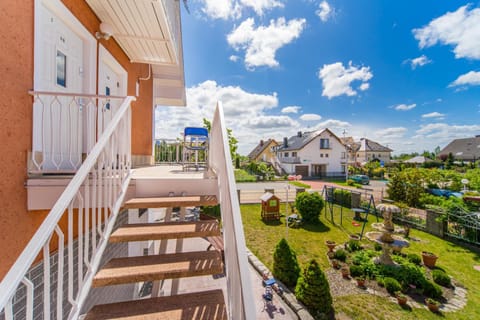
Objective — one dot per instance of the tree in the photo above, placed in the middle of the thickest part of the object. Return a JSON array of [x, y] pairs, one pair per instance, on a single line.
[[309, 206], [285, 264], [232, 141], [313, 290]]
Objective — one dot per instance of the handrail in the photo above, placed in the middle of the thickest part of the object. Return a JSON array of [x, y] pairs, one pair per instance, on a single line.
[[240, 297], [71, 194]]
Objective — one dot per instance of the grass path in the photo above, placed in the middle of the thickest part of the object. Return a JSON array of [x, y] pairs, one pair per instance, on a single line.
[[309, 242]]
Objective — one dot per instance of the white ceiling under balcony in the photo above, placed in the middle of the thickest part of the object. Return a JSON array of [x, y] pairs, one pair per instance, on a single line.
[[149, 32]]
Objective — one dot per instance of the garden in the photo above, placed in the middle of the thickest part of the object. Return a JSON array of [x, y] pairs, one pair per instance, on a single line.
[[335, 273]]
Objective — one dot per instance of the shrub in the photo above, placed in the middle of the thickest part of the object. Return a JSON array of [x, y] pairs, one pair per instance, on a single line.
[[341, 255], [350, 182], [313, 290], [342, 197], [377, 246], [309, 206], [285, 264], [353, 245], [391, 285], [356, 271], [414, 258], [431, 290], [441, 278]]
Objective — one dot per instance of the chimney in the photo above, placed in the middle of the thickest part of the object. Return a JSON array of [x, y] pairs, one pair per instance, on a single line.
[[261, 143], [299, 134], [285, 142]]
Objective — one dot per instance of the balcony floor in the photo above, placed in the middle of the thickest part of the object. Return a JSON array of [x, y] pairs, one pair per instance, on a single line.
[[166, 172]]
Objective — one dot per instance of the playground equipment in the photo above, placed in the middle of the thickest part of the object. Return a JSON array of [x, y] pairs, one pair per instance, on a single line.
[[348, 198]]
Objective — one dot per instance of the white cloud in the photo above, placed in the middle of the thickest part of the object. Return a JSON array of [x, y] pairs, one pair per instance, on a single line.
[[310, 117], [221, 9], [268, 122], [471, 78], [447, 132], [291, 109], [261, 44], [405, 107], [418, 62], [324, 11], [337, 80], [245, 113], [433, 115], [364, 86], [335, 125], [390, 133], [233, 58], [460, 29], [259, 6]]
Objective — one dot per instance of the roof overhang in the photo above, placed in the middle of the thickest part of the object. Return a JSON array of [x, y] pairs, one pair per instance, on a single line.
[[149, 32]]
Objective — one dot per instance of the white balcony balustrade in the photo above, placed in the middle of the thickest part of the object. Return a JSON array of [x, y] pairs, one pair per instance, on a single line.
[[66, 127], [89, 205]]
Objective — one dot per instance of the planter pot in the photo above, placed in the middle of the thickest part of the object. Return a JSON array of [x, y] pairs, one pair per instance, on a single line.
[[345, 272], [434, 307], [335, 264], [331, 245], [361, 283], [429, 259], [402, 300]]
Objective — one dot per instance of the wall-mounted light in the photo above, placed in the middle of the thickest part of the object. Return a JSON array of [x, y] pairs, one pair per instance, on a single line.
[[105, 32]]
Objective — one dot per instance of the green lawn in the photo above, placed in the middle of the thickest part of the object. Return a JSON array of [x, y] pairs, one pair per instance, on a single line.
[[309, 242]]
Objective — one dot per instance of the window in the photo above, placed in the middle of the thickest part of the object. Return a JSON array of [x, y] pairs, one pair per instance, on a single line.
[[294, 154], [343, 155], [326, 155], [272, 203], [61, 62], [285, 154], [321, 155], [324, 144]]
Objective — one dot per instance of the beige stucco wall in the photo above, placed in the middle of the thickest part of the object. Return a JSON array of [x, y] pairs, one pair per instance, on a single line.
[[16, 69]]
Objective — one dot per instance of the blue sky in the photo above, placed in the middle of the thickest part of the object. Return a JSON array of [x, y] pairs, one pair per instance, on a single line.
[[403, 73]]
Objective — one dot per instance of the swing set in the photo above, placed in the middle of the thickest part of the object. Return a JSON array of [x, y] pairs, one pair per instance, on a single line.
[[341, 199]]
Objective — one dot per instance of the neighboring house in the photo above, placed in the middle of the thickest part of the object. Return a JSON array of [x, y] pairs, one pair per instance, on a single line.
[[370, 150], [264, 151], [80, 83], [313, 154], [418, 161], [467, 149]]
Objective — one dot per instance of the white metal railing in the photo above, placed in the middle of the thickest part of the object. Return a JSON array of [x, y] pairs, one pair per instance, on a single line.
[[66, 126], [90, 205], [240, 296], [168, 151], [290, 159]]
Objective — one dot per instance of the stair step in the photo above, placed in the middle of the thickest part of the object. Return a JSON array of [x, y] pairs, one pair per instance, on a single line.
[[199, 305], [159, 267], [165, 230], [167, 202]]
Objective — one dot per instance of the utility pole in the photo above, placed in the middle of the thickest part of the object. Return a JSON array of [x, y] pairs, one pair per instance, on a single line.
[[346, 155]]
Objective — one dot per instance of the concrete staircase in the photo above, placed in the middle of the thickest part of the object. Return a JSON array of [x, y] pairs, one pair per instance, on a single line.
[[208, 304]]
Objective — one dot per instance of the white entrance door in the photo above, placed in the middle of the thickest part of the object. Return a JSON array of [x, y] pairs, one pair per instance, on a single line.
[[112, 81], [60, 61]]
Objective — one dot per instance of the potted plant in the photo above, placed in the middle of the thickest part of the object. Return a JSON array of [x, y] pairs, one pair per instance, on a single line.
[[432, 304], [360, 281], [401, 298], [335, 263], [429, 259], [330, 255], [345, 271], [331, 245]]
